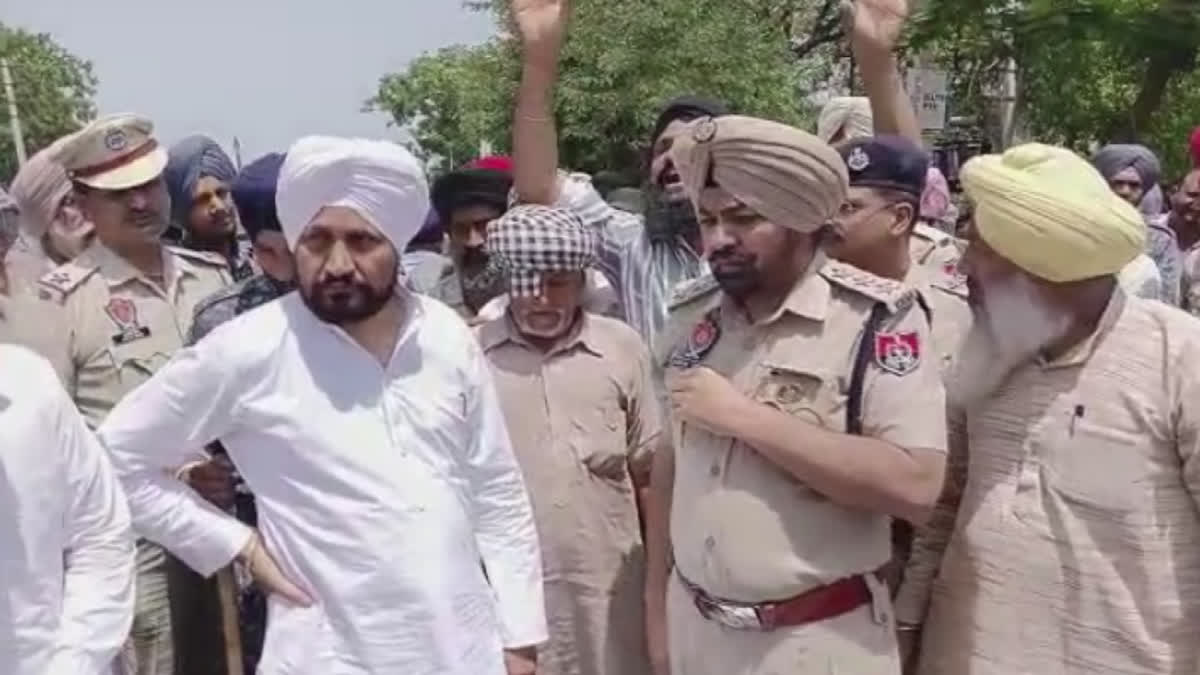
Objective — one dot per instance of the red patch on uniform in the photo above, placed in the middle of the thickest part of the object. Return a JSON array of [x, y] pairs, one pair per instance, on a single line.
[[898, 353], [123, 313]]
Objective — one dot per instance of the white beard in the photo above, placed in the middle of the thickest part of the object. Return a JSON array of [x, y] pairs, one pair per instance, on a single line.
[[1007, 333]]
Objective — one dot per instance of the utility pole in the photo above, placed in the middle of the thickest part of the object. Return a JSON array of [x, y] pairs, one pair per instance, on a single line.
[[14, 120]]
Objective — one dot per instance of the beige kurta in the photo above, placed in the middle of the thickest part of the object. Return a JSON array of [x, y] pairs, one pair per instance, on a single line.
[[1076, 547], [745, 530], [584, 422]]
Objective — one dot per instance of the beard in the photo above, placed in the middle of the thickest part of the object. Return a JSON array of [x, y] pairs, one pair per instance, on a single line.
[[482, 278], [340, 301], [737, 274], [668, 216], [1009, 331]]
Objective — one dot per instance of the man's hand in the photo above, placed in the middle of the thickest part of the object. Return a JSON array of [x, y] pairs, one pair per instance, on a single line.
[[702, 397], [267, 574], [213, 480], [521, 661], [874, 26], [542, 24]]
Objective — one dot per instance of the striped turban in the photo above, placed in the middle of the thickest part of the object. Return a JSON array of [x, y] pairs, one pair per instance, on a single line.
[[1049, 212], [531, 240], [789, 176]]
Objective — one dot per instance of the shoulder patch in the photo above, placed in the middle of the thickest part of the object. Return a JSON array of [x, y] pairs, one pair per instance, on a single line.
[[890, 292], [206, 257], [690, 290], [63, 279]]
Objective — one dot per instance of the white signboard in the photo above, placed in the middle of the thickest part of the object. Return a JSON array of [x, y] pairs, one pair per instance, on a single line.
[[927, 87]]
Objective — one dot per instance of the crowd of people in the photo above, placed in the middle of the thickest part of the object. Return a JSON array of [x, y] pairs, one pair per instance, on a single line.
[[793, 415]]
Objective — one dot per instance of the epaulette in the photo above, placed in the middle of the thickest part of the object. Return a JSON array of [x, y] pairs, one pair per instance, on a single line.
[[206, 257], [896, 295], [938, 237], [62, 280], [950, 280], [690, 290]]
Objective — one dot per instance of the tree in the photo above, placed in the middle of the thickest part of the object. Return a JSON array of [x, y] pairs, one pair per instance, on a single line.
[[1086, 71], [623, 60], [53, 88]]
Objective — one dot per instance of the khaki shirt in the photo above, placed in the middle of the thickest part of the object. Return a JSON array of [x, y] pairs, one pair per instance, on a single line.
[[930, 247], [741, 527], [1076, 546], [584, 423], [945, 294], [36, 325], [120, 326]]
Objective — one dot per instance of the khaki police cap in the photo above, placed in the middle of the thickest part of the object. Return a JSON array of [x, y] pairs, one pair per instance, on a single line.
[[115, 153]]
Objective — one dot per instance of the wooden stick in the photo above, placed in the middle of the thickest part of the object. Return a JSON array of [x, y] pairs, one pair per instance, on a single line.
[[227, 594]]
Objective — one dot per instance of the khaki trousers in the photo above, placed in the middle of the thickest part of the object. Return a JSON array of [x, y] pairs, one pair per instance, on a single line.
[[861, 642]]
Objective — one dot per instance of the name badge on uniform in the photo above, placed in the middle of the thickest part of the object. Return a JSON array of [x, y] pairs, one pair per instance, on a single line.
[[699, 342], [898, 353], [124, 313]]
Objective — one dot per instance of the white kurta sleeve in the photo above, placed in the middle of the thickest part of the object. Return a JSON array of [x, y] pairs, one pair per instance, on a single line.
[[98, 557], [188, 404], [505, 530]]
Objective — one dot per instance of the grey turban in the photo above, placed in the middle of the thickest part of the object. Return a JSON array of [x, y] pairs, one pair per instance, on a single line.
[[1115, 158]]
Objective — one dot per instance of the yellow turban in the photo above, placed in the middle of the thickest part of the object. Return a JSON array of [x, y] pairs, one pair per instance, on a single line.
[[1049, 212], [789, 176]]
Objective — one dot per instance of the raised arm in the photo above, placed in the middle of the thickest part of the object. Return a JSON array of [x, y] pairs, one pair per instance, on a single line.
[[542, 25], [874, 27]]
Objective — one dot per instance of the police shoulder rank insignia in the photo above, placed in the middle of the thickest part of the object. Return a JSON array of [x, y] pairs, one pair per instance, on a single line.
[[898, 353], [858, 159], [699, 342], [124, 313]]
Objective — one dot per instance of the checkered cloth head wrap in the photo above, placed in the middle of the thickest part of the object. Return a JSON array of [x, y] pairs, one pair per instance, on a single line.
[[531, 239]]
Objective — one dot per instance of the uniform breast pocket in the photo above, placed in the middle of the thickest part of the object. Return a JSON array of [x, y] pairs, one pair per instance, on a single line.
[[804, 392], [137, 362], [1097, 468]]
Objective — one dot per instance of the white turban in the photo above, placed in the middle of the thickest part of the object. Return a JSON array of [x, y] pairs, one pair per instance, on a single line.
[[380, 180], [849, 114]]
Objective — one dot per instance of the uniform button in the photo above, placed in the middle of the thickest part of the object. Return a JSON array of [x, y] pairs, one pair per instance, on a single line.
[[710, 543], [715, 470]]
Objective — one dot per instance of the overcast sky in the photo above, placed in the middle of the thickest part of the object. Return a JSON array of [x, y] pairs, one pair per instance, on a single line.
[[267, 71]]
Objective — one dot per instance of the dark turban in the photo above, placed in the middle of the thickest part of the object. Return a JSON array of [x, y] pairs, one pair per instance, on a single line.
[[686, 109], [187, 162], [1115, 158], [254, 194], [470, 187]]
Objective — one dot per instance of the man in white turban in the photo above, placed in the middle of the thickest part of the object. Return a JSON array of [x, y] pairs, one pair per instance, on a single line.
[[364, 420], [1069, 544]]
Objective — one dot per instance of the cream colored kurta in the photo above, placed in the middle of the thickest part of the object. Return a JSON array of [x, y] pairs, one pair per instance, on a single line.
[[1076, 547], [583, 421]]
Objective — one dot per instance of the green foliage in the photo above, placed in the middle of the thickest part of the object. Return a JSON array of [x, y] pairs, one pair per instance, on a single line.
[[53, 88], [1090, 71], [622, 61]]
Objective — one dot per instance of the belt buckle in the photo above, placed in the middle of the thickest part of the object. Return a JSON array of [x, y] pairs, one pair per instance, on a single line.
[[737, 618]]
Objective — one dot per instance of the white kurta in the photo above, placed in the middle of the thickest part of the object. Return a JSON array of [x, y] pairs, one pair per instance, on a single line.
[[66, 547], [379, 490]]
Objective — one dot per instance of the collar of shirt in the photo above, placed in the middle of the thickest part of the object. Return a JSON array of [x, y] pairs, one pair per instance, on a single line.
[[1080, 353], [503, 330], [413, 315], [809, 298], [117, 271]]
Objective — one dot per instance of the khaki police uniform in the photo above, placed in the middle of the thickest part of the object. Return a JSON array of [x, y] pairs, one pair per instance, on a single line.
[[121, 326], [742, 529], [933, 248]]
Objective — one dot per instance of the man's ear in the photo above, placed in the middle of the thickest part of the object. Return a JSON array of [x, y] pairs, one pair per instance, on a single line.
[[904, 219]]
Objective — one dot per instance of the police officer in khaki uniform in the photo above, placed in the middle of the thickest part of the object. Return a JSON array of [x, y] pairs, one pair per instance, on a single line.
[[806, 414], [127, 303], [875, 231]]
